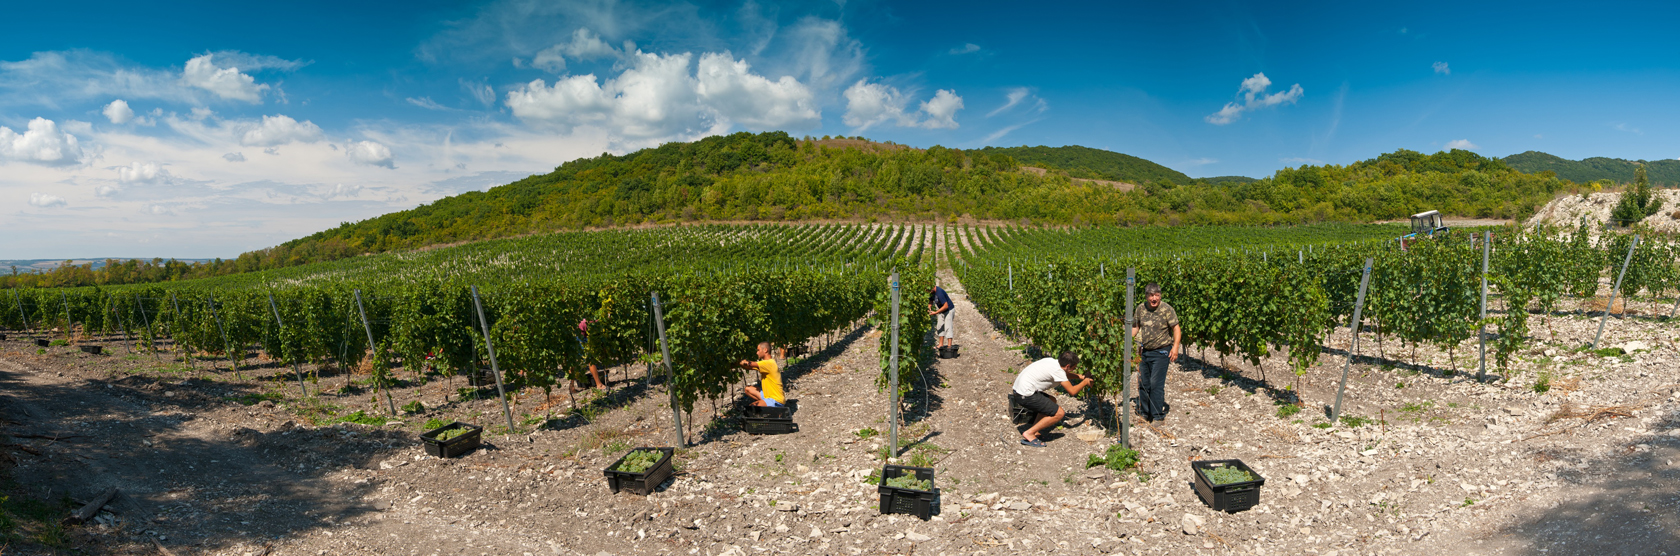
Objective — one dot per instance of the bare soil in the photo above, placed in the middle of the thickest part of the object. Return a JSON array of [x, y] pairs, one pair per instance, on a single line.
[[1430, 458]]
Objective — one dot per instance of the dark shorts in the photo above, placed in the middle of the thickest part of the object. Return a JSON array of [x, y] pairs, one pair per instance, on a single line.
[[1040, 403]]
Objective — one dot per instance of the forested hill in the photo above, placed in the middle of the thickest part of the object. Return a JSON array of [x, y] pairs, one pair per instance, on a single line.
[[1586, 170], [1086, 162], [774, 177]]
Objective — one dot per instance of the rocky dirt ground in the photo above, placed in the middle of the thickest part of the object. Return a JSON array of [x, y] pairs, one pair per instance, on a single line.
[[1569, 210], [1428, 459]]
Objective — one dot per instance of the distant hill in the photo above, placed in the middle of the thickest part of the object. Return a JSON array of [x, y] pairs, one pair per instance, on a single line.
[[47, 265], [1239, 180], [1660, 172], [1086, 162]]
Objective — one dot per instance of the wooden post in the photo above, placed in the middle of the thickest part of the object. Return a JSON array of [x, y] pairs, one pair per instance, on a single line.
[[1126, 367]]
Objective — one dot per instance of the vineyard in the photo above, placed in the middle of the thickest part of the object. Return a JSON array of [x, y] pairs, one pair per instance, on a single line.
[[722, 290], [1252, 296]]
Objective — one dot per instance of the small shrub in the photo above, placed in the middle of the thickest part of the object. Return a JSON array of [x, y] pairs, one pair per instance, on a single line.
[[56, 343], [1543, 384], [1286, 410], [362, 417], [1117, 458], [414, 407], [1355, 422], [1321, 425], [866, 433]]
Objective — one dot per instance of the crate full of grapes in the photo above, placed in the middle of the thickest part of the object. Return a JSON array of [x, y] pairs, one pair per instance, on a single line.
[[640, 471], [452, 440], [907, 490], [1227, 485]]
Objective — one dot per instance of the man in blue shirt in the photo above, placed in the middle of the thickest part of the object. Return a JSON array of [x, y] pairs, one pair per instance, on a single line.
[[940, 306]]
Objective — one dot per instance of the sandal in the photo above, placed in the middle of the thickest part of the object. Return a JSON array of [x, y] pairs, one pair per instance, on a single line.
[[1033, 443]]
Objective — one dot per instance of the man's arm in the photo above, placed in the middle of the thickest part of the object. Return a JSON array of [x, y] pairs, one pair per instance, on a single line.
[[1073, 389], [1177, 334]]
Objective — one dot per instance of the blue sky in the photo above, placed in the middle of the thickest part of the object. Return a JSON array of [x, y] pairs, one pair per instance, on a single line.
[[209, 129]]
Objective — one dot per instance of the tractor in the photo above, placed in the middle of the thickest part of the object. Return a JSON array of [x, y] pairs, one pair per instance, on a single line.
[[1425, 225]]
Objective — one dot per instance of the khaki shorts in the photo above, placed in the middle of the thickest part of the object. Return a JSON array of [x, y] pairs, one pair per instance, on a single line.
[[942, 326]]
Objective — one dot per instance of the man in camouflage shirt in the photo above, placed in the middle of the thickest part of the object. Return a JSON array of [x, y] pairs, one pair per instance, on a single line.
[[1155, 324]]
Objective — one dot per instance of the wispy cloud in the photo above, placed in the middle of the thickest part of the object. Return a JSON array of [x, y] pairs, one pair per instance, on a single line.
[[1300, 160], [1463, 144], [968, 48], [1200, 161], [1623, 127], [1254, 97], [427, 103], [993, 136], [1018, 96], [1442, 68]]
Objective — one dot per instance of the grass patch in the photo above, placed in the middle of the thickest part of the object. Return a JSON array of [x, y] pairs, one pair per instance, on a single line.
[[434, 424], [1542, 384], [1321, 425], [56, 343], [256, 398], [1417, 407], [413, 407], [1117, 458], [30, 520], [866, 433], [1356, 422], [361, 417], [1287, 410]]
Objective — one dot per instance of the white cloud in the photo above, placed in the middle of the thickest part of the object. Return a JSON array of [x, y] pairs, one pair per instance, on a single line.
[[729, 87], [43, 143], [942, 110], [44, 200], [1461, 144], [657, 98], [1254, 96], [966, 49], [993, 136], [142, 172], [481, 92], [371, 153], [427, 103], [869, 104], [234, 157], [1442, 68], [1015, 97], [276, 130], [159, 210], [584, 46], [1299, 160], [1201, 161], [1627, 128], [118, 112], [341, 190], [225, 82]]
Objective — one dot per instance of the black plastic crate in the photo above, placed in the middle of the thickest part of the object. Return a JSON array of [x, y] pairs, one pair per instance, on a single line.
[[43, 343], [949, 352], [1232, 497], [910, 501], [95, 350], [453, 447], [764, 412], [1019, 414], [754, 425], [640, 483]]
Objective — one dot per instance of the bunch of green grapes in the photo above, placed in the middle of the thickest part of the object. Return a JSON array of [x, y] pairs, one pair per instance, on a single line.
[[452, 433], [639, 461], [910, 482], [1225, 475]]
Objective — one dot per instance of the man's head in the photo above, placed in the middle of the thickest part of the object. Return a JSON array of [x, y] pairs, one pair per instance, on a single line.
[[764, 350], [1068, 360], [1152, 293]]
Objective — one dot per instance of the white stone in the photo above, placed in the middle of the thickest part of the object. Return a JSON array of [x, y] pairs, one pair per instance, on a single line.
[[917, 537]]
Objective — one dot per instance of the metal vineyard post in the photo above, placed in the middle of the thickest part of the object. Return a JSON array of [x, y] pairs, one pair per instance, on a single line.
[[282, 343], [1481, 330], [1126, 368], [495, 370], [225, 343], [670, 375], [1353, 346], [148, 320], [892, 396], [379, 381], [1612, 302]]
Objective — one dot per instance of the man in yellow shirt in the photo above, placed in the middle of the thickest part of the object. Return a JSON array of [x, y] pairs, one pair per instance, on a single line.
[[770, 379]]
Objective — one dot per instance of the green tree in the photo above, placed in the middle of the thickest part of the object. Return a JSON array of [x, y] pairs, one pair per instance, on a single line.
[[1636, 203]]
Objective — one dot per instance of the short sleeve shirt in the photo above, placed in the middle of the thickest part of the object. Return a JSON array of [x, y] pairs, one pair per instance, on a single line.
[[770, 380], [1041, 375], [1155, 327], [940, 299]]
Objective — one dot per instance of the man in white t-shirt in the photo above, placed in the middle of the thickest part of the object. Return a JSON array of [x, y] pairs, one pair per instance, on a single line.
[[1031, 391]]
